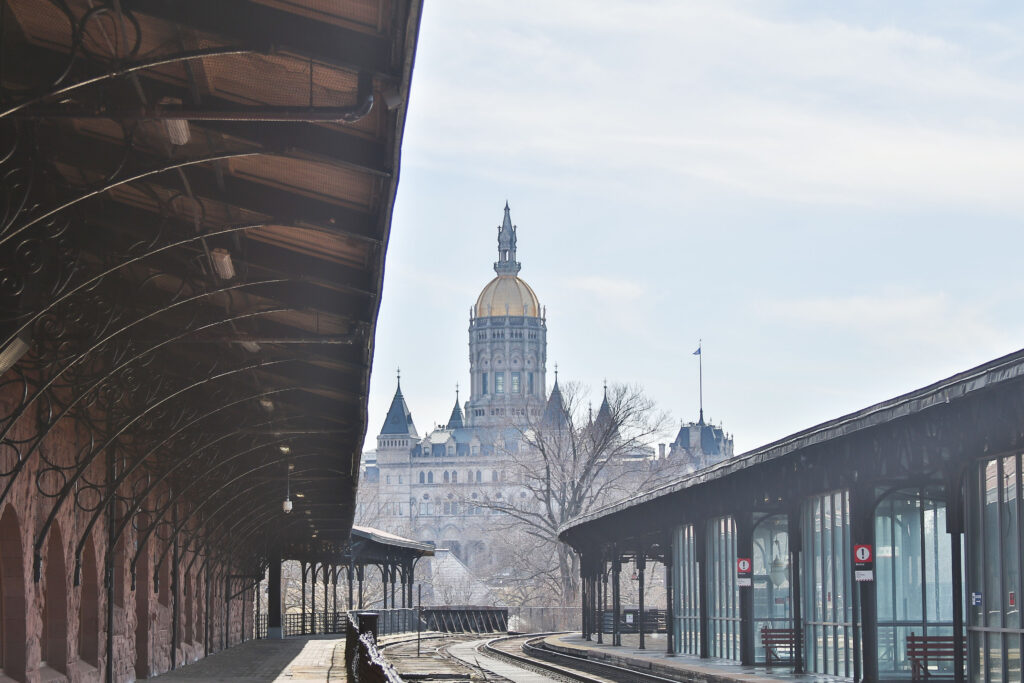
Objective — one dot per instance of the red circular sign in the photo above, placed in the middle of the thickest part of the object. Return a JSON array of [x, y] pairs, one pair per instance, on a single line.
[[862, 554], [743, 565]]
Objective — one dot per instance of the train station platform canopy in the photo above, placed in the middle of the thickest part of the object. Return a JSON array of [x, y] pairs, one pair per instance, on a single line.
[[961, 416], [851, 546], [199, 233], [197, 203]]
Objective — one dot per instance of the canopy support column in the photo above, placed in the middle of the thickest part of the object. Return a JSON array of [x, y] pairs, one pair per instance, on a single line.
[[641, 568], [745, 548], [274, 629], [616, 598], [670, 641], [793, 533], [303, 612]]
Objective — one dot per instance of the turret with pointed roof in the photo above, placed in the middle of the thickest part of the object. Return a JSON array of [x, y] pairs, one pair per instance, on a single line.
[[554, 412], [604, 418], [399, 419], [456, 421]]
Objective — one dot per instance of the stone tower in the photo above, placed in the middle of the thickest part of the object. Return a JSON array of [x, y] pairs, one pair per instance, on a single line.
[[507, 344]]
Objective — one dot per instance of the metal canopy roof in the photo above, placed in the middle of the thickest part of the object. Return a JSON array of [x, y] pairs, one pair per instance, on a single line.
[[631, 517], [198, 198]]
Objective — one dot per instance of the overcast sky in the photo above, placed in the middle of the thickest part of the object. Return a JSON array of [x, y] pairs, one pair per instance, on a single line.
[[830, 195]]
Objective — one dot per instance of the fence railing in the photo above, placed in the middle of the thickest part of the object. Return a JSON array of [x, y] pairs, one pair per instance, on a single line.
[[465, 619], [391, 621], [260, 629], [310, 623], [629, 621]]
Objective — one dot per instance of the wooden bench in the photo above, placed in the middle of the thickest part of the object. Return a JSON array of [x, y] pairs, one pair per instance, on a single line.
[[925, 650], [775, 639]]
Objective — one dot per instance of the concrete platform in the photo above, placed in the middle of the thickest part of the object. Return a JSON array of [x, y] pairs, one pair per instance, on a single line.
[[653, 659], [310, 658]]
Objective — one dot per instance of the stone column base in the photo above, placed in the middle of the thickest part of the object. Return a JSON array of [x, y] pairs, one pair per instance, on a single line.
[[275, 633]]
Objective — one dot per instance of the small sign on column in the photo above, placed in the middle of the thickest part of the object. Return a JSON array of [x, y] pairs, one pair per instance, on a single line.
[[863, 563], [744, 572]]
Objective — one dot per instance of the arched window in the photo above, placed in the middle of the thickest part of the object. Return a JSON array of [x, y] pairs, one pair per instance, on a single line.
[[455, 477], [447, 477], [494, 475], [54, 643], [479, 476], [430, 477], [422, 477], [12, 588], [89, 609]]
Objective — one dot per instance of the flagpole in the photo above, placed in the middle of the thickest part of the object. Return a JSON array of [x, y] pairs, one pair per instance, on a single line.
[[700, 376]]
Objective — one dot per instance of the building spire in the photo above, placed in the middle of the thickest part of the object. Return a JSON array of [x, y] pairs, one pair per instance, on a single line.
[[456, 421], [399, 418], [506, 263]]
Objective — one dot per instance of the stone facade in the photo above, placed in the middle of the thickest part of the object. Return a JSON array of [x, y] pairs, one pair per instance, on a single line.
[[55, 597]]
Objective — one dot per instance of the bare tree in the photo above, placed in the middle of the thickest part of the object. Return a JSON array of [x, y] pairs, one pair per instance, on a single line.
[[569, 462]]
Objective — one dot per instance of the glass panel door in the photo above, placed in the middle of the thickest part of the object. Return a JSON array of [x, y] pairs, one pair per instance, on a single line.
[[828, 622], [687, 593]]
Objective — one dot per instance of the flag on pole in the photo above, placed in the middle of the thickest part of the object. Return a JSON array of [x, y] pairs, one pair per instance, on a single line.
[[697, 352]]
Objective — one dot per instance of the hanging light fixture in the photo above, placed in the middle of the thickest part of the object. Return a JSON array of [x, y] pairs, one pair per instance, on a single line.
[[222, 263], [177, 130], [287, 504], [778, 573]]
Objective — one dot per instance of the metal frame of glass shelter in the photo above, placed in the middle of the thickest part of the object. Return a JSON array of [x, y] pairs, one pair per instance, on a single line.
[[930, 482]]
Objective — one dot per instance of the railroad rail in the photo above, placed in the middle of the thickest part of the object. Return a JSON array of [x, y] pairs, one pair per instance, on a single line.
[[534, 656], [532, 661]]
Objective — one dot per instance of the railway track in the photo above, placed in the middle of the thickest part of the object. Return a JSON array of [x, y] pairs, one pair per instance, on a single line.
[[528, 652], [505, 659]]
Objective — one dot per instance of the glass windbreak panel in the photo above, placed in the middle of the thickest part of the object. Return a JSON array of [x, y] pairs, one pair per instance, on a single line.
[[723, 594], [828, 627], [912, 574], [772, 601], [994, 559], [687, 593]]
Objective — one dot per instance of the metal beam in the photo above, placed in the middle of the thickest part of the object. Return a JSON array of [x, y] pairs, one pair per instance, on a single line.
[[291, 206], [272, 30]]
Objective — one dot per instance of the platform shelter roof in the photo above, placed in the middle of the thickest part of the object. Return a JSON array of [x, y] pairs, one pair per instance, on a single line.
[[920, 434]]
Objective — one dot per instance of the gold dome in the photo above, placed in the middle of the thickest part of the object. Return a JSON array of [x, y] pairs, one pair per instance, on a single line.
[[507, 295]]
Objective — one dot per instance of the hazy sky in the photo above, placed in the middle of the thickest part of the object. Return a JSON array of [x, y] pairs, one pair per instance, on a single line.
[[829, 194]]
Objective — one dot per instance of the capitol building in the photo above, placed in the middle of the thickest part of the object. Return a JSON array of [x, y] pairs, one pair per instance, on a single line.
[[433, 486]]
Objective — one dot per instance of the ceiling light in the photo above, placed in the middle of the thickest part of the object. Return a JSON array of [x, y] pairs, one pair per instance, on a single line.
[[250, 346], [266, 404], [285, 449], [13, 352], [300, 495], [177, 130], [222, 264], [392, 99], [286, 505]]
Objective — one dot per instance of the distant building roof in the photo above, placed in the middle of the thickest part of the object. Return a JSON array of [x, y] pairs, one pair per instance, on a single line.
[[399, 419]]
